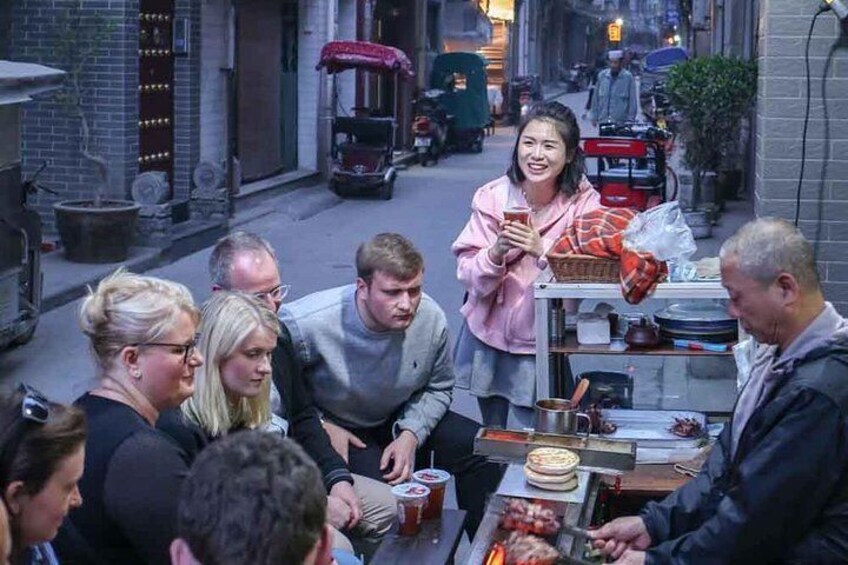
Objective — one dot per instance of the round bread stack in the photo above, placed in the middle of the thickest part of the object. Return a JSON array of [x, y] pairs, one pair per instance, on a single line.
[[551, 468]]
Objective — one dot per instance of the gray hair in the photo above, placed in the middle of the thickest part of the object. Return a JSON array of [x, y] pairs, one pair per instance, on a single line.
[[225, 251], [766, 247]]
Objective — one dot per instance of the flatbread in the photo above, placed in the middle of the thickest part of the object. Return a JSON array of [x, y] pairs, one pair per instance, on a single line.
[[570, 484], [543, 478], [552, 461]]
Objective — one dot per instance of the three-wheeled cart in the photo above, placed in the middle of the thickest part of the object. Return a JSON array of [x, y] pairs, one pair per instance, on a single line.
[[362, 147]]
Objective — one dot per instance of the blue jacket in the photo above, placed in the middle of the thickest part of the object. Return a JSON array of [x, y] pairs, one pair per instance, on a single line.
[[784, 497], [615, 98]]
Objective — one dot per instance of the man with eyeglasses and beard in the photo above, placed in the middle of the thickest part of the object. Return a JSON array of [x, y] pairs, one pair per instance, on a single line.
[[246, 262], [775, 486]]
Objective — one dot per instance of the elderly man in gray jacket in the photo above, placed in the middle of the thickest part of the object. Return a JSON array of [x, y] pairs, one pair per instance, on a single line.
[[775, 487], [376, 356], [615, 97]]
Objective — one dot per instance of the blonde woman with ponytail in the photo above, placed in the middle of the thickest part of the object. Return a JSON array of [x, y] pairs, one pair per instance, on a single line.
[[142, 332]]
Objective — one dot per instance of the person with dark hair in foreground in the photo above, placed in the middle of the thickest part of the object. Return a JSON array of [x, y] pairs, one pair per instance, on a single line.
[[252, 497], [42, 452], [376, 355]]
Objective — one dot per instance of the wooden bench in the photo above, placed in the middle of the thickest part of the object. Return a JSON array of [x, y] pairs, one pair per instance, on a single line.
[[435, 544]]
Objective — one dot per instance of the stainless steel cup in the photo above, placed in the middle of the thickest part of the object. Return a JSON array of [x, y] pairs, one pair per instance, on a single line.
[[557, 416]]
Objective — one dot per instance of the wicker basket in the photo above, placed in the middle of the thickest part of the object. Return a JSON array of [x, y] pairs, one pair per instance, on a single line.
[[583, 268]]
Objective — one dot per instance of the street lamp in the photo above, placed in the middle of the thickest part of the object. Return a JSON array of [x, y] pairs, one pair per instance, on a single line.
[[619, 21]]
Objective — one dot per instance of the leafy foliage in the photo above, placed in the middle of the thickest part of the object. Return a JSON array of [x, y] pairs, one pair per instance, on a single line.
[[713, 94], [79, 37]]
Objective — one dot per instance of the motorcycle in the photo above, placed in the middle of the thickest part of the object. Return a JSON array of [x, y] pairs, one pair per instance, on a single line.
[[429, 127], [577, 77]]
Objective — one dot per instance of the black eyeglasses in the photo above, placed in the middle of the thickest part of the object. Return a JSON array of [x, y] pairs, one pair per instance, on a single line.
[[187, 348], [34, 406], [277, 294]]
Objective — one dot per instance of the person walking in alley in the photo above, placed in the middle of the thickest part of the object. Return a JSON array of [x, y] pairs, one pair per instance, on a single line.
[[358, 505], [615, 98], [775, 486], [376, 355], [514, 220]]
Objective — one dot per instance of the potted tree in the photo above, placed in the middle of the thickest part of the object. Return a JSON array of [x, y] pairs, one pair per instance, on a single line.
[[713, 95], [100, 229]]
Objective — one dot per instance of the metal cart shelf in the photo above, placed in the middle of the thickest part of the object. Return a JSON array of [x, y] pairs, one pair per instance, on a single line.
[[553, 370]]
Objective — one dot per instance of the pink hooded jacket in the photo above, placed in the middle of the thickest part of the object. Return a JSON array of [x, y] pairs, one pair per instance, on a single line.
[[500, 309]]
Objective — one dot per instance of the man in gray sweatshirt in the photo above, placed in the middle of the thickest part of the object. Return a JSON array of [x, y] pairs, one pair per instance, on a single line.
[[376, 356]]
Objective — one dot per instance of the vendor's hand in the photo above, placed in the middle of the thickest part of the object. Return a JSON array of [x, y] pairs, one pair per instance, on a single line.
[[339, 514], [401, 454], [631, 557], [343, 490], [341, 439], [613, 538], [524, 237]]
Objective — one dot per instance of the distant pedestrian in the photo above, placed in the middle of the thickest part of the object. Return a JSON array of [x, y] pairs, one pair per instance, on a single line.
[[615, 97]]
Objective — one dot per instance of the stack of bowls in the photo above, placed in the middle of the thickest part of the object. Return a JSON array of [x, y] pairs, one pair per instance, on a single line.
[[698, 321]]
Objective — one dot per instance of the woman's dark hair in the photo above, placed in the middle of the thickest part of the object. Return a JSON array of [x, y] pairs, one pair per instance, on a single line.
[[31, 450], [565, 122]]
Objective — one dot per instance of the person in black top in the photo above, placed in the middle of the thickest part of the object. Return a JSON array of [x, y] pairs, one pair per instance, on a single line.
[[42, 449], [242, 261], [142, 334]]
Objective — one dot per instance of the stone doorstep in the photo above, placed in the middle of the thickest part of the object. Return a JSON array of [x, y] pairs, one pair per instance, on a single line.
[[254, 193]]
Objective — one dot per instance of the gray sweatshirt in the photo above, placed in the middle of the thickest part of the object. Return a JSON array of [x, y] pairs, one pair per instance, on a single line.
[[360, 378]]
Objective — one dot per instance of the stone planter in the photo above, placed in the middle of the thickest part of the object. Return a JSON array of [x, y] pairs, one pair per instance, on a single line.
[[96, 234]]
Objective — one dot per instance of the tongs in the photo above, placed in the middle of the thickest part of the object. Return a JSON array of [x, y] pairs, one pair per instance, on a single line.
[[577, 533]]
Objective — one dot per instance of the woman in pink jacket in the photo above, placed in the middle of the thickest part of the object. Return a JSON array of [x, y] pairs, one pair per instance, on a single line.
[[498, 261]]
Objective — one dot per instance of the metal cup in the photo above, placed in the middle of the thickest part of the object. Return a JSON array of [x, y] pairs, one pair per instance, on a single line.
[[557, 416]]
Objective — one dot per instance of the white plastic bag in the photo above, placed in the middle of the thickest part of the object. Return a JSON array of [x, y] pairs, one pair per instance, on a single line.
[[663, 232]]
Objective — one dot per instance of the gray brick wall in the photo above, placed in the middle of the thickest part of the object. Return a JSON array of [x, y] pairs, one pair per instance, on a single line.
[[187, 102], [51, 132], [780, 113]]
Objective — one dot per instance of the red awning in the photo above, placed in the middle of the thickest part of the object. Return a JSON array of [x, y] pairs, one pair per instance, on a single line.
[[342, 55]]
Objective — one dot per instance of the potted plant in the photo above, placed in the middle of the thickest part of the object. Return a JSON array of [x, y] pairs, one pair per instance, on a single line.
[[713, 95], [100, 229]]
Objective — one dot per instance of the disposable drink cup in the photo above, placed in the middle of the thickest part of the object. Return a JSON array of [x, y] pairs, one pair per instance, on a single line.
[[436, 480], [519, 214], [411, 498]]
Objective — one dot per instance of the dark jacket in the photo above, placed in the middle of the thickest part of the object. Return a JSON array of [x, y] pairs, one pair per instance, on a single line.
[[303, 417], [784, 496]]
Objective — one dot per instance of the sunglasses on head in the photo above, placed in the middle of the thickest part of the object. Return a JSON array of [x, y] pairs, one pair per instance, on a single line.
[[34, 406]]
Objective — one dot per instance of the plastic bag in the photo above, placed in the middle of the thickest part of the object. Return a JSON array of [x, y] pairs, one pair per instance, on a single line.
[[661, 231]]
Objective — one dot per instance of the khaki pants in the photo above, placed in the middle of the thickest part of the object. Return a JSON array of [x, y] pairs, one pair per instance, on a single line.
[[378, 513]]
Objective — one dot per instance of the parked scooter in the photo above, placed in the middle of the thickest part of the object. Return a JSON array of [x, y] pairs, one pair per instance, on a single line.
[[577, 77], [430, 127]]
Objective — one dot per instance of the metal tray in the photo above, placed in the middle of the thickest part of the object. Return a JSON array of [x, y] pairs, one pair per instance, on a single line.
[[514, 484], [649, 428], [512, 446]]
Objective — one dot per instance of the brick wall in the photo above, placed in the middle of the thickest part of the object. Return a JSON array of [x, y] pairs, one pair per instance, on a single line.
[[213, 99], [50, 132], [187, 102], [780, 112]]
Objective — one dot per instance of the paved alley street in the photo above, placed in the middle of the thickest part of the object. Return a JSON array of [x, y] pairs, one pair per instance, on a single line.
[[430, 206]]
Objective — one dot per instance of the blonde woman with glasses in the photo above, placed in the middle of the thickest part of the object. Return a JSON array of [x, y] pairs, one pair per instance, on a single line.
[[142, 332]]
